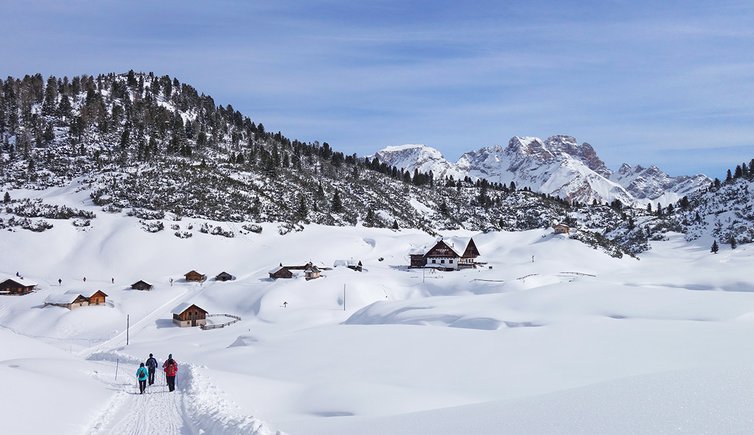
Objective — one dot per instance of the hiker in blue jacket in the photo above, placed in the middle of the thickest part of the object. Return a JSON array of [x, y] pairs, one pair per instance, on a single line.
[[152, 365], [141, 375]]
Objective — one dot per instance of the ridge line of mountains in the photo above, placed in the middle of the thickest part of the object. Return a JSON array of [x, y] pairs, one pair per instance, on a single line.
[[157, 149], [557, 166]]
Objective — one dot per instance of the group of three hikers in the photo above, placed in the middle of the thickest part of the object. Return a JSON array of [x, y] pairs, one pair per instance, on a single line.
[[144, 374]]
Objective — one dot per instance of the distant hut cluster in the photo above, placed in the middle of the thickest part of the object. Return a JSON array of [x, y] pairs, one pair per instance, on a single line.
[[76, 299], [444, 257], [17, 286], [351, 264], [311, 271]]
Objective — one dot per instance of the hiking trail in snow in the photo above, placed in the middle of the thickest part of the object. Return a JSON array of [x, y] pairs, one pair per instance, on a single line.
[[195, 407]]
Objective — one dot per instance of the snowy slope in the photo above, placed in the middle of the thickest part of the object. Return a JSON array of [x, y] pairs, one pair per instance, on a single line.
[[551, 336]]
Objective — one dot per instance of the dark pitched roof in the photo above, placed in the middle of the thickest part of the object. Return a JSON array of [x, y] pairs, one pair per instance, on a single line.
[[185, 306], [471, 250], [442, 250], [141, 283]]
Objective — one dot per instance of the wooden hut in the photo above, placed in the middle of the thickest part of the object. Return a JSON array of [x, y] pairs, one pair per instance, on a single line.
[[312, 272], [189, 315], [70, 299], [417, 257], [561, 229], [17, 286], [281, 272], [97, 298], [224, 276], [141, 285], [195, 276]]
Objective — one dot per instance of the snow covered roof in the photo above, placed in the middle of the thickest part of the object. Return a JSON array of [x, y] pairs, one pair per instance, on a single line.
[[420, 250], [346, 263], [84, 293], [183, 307], [63, 298], [277, 269], [23, 281]]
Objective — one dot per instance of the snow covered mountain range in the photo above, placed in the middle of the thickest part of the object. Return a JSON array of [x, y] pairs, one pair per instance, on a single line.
[[558, 166]]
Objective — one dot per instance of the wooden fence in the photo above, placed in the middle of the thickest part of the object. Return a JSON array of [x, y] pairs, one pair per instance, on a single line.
[[221, 325]]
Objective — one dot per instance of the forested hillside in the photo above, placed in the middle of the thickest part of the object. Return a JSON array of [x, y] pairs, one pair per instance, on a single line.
[[153, 145]]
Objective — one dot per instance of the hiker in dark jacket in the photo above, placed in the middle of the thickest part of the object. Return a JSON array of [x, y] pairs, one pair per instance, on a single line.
[[171, 368], [152, 367], [141, 375]]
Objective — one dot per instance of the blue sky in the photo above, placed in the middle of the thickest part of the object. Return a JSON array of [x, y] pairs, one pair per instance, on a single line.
[[669, 83]]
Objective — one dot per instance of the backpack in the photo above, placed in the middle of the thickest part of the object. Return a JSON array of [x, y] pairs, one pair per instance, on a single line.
[[171, 368]]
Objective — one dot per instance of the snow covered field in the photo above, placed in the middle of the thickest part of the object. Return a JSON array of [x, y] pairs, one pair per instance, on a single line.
[[575, 342]]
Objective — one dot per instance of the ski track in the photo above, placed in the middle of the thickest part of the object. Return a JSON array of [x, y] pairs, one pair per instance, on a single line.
[[157, 411]]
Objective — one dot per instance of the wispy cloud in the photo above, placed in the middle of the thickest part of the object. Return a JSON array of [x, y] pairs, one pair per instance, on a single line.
[[639, 80]]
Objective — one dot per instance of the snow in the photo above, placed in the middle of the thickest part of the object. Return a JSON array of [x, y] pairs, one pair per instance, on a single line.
[[574, 342], [62, 298], [181, 308], [20, 280]]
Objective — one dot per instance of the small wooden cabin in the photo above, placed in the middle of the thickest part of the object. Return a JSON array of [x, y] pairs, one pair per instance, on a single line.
[[97, 298], [561, 229], [70, 299], [417, 257], [195, 276], [312, 272], [224, 276], [281, 272], [189, 315], [141, 285], [17, 286]]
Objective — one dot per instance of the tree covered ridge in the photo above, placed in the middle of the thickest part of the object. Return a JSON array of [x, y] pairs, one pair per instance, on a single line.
[[138, 140]]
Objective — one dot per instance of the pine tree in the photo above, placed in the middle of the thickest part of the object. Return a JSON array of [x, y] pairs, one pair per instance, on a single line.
[[733, 243], [6, 198], [369, 219], [302, 211], [337, 205], [395, 225], [714, 248]]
